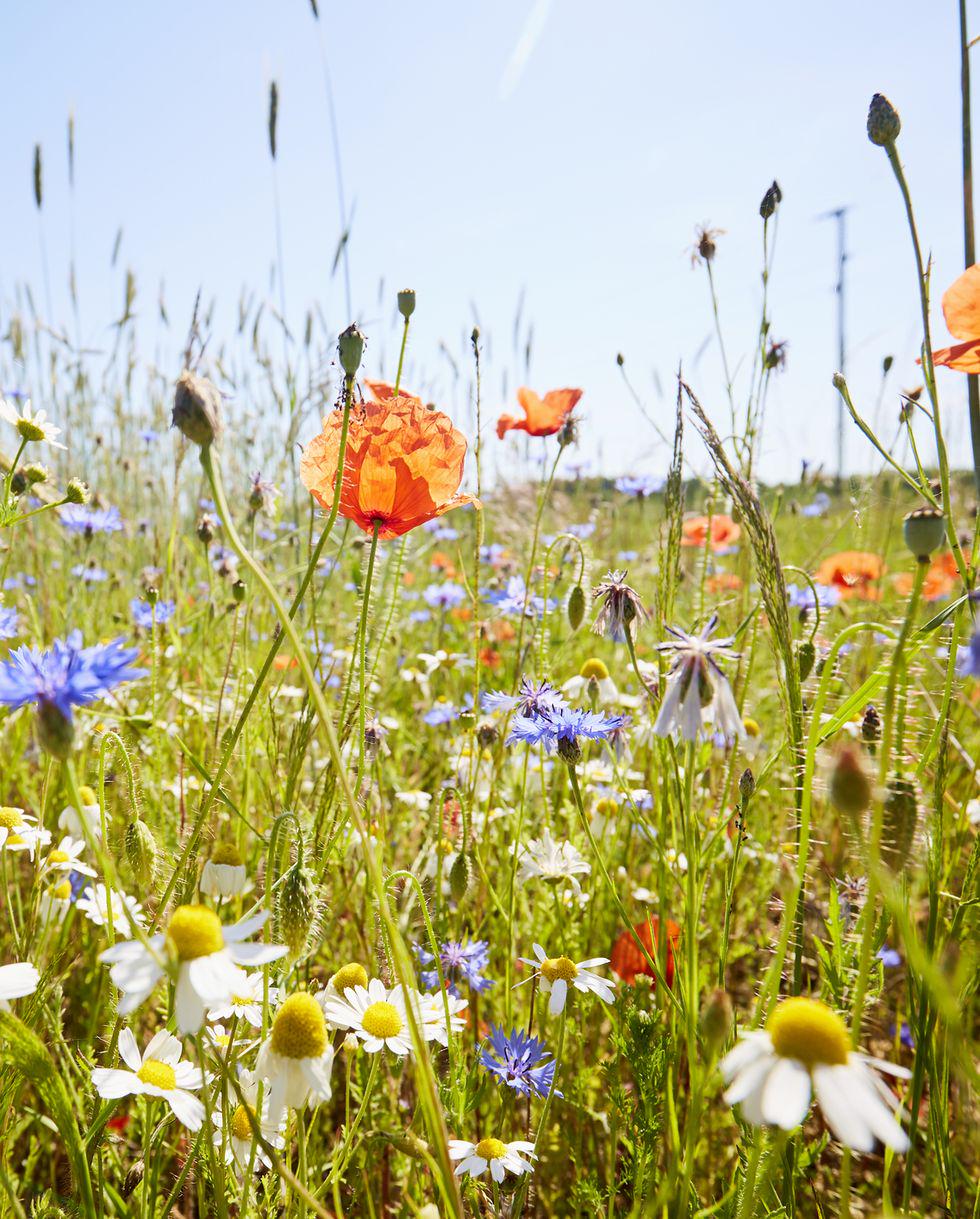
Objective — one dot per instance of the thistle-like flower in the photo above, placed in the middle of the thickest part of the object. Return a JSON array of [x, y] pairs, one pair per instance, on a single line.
[[696, 682], [621, 605]]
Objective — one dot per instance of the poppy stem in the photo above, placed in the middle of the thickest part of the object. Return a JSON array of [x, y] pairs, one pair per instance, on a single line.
[[362, 667]]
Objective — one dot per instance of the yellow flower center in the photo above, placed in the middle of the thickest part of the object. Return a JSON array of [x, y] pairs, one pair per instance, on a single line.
[[14, 840], [490, 1149], [241, 1127], [58, 857], [11, 818], [299, 1030], [594, 668], [559, 967], [88, 796], [349, 975], [809, 1031], [62, 892], [751, 726], [445, 846], [606, 807], [195, 931], [158, 1074], [226, 852], [382, 1020]]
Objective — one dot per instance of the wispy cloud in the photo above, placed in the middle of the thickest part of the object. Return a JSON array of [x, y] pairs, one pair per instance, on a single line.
[[530, 36]]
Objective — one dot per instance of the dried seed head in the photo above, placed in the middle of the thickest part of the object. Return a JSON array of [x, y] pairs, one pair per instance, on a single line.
[[925, 529], [406, 302], [770, 201], [350, 348]]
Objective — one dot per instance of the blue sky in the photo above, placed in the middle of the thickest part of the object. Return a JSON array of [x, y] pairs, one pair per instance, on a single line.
[[562, 151]]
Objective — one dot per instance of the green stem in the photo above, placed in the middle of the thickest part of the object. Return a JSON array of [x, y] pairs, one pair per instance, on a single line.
[[362, 668]]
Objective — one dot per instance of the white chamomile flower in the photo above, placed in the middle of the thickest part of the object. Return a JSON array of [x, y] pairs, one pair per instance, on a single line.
[[805, 1047], [431, 1009], [553, 862], [499, 1157], [241, 1148], [377, 1015], [297, 1057], [207, 957], [19, 831], [158, 1072], [55, 901], [224, 873], [65, 858], [593, 675], [32, 426], [74, 822], [126, 911], [16, 981], [246, 1003], [557, 974]]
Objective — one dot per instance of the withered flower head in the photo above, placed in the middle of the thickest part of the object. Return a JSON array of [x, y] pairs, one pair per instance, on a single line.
[[620, 606], [197, 408]]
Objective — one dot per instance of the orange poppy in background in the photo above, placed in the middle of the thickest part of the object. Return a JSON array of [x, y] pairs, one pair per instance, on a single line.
[[723, 582], [628, 962], [542, 416], [853, 573], [403, 465], [961, 309], [939, 580], [724, 531]]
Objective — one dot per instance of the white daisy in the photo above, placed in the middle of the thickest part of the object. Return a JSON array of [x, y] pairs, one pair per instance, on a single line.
[[297, 1057], [65, 858], [207, 957], [16, 828], [431, 1011], [16, 981], [246, 1002], [377, 1015], [500, 1158], [696, 682], [580, 686], [806, 1047], [556, 974], [31, 425], [240, 1145], [545, 859], [224, 873], [126, 910], [55, 901], [74, 822], [158, 1072]]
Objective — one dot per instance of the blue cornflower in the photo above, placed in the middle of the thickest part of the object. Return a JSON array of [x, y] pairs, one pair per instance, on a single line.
[[802, 598], [441, 712], [819, 507], [9, 626], [149, 436], [444, 596], [515, 599], [533, 699], [968, 658], [561, 728], [84, 518], [66, 675], [441, 531], [640, 485], [492, 553], [420, 615], [461, 961], [891, 958], [90, 573], [520, 1062], [145, 614]]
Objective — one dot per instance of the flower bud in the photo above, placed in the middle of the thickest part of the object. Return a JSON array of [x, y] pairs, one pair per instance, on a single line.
[[18, 482], [746, 784], [238, 591], [806, 654], [899, 819], [871, 725], [35, 473], [297, 906], [568, 433], [460, 877], [850, 787], [152, 594], [406, 302], [717, 1017], [76, 492], [142, 853], [576, 607], [55, 730], [839, 381], [770, 201], [350, 348], [487, 735], [925, 529], [206, 528], [197, 409], [883, 121]]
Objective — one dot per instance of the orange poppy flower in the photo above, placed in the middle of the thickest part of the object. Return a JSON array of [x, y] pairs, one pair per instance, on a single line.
[[938, 583], [542, 416], [723, 582], [381, 391], [961, 309], [724, 531], [628, 962], [403, 466], [853, 573]]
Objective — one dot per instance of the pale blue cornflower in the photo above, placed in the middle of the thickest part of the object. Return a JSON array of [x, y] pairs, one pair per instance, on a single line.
[[532, 699], [445, 596], [802, 597], [968, 658], [695, 682], [463, 962], [640, 486], [9, 623], [560, 729], [515, 598], [88, 520], [145, 615]]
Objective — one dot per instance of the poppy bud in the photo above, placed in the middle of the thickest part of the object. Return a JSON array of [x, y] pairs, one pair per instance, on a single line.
[[717, 1017], [620, 360], [350, 348], [197, 409], [460, 877], [850, 787], [925, 529], [296, 907], [76, 492], [770, 201], [55, 730], [746, 784], [886, 365], [898, 823], [406, 302], [576, 607], [142, 853], [883, 121], [806, 653]]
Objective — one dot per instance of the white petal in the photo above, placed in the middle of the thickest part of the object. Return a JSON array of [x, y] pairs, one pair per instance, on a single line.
[[497, 1170], [257, 954], [187, 1109], [835, 1095], [187, 1004], [559, 991], [249, 926], [748, 1080], [129, 1051], [111, 1084], [164, 1048], [786, 1094], [752, 1046]]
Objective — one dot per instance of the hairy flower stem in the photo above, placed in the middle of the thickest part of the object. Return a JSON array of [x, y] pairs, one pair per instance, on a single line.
[[362, 666], [401, 959]]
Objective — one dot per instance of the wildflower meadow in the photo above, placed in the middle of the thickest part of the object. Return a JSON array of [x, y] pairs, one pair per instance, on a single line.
[[382, 838]]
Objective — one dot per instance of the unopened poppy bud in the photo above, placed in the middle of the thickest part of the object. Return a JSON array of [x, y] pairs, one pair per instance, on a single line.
[[197, 409], [296, 907], [406, 302], [871, 725], [487, 735], [770, 201], [460, 877], [899, 819], [620, 359], [806, 653], [206, 528], [350, 348], [238, 591], [746, 784], [886, 364], [54, 730], [576, 607], [717, 1016], [925, 529], [850, 787], [142, 853], [883, 121], [76, 492]]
